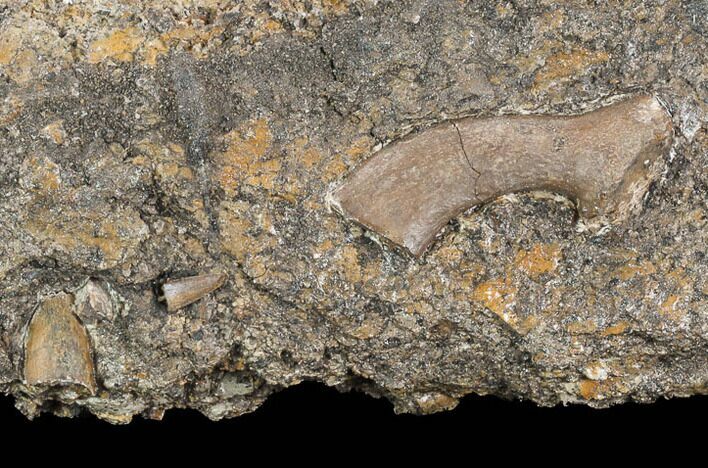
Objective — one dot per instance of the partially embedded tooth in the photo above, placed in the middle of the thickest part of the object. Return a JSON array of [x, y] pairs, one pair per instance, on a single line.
[[93, 303], [57, 347], [181, 292]]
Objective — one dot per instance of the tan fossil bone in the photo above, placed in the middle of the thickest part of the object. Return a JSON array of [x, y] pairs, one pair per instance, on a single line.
[[181, 292], [57, 347], [603, 160]]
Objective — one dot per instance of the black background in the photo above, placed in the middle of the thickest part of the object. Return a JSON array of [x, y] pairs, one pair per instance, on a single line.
[[315, 413]]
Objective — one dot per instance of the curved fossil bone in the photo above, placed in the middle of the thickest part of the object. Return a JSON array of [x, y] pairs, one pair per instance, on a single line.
[[181, 292], [603, 160]]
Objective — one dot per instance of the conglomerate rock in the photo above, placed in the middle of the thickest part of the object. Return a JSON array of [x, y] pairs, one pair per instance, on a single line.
[[143, 142]]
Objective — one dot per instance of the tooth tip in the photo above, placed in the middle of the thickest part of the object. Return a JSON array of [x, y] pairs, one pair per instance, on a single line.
[[181, 292]]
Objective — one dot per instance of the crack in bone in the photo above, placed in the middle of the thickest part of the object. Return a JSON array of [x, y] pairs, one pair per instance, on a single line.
[[477, 174]]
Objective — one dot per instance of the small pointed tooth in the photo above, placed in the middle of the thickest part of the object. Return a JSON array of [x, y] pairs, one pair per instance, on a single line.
[[181, 292]]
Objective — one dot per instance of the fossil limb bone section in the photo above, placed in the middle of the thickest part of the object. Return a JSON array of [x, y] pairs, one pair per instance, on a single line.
[[603, 160], [57, 347]]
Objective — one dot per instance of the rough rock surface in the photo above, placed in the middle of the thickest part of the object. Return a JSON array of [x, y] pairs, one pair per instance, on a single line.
[[142, 141]]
